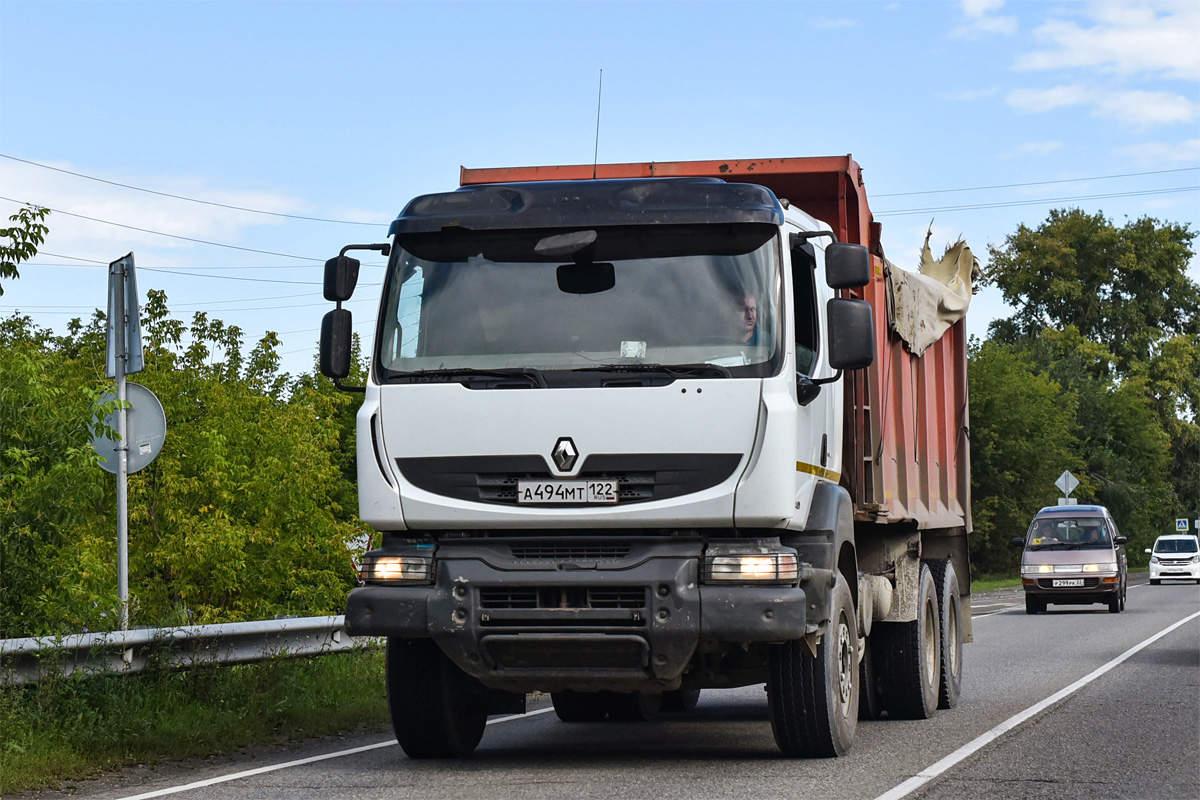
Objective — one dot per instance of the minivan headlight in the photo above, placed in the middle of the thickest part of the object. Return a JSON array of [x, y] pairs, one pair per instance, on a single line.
[[1110, 566], [1036, 569]]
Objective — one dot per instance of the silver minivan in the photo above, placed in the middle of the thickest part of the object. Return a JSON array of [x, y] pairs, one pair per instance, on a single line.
[[1073, 555]]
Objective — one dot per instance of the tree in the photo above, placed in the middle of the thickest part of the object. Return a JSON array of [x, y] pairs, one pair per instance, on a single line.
[[1110, 313], [246, 513], [1022, 438], [1126, 287], [23, 237]]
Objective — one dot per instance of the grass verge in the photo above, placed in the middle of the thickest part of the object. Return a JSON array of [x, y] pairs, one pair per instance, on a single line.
[[80, 726], [986, 583]]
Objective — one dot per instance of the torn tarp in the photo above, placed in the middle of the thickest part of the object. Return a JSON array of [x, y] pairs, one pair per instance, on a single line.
[[925, 304]]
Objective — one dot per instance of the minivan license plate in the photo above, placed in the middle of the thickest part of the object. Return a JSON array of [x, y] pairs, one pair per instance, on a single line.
[[1065, 583], [572, 492]]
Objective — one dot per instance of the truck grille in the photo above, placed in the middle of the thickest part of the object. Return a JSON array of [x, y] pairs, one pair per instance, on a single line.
[[561, 598], [569, 552], [641, 477]]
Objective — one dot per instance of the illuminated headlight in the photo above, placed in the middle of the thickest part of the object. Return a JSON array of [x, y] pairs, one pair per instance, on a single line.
[[1037, 569], [1109, 567], [767, 567], [395, 568]]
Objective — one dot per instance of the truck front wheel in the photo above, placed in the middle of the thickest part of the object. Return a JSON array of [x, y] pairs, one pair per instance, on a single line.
[[437, 709], [814, 701], [909, 658]]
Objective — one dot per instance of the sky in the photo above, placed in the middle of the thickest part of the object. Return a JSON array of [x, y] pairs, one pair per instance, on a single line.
[[233, 147]]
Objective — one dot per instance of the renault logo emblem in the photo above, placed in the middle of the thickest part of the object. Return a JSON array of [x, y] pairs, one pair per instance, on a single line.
[[564, 454]]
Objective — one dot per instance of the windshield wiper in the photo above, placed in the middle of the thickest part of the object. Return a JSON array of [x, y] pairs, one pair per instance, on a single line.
[[533, 376], [674, 370]]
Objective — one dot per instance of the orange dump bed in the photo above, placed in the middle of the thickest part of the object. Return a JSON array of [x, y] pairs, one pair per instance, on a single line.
[[906, 453]]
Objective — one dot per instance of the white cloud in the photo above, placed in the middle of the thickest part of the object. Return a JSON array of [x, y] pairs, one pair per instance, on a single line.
[[1135, 109], [979, 20], [832, 23], [1142, 109], [1037, 100], [1034, 149], [1163, 154], [1126, 38], [970, 95]]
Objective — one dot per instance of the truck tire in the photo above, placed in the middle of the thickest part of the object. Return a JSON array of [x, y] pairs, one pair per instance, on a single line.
[[633, 706], [437, 709], [910, 656], [950, 619], [870, 699], [814, 701], [580, 706], [680, 700]]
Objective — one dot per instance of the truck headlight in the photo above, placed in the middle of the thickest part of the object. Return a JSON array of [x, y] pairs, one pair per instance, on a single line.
[[391, 569], [756, 567]]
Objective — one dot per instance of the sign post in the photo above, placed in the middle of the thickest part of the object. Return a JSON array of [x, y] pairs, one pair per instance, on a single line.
[[1067, 484], [124, 356]]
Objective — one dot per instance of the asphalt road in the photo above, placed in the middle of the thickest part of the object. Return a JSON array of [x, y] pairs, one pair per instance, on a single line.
[[1053, 706]]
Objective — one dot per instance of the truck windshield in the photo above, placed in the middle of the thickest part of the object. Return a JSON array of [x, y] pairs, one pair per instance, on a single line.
[[1068, 534], [636, 300]]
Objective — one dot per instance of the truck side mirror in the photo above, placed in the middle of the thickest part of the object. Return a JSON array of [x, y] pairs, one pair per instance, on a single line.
[[336, 339], [847, 266], [341, 276], [851, 333]]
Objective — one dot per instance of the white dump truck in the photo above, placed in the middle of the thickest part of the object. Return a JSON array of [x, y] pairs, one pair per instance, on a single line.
[[632, 431]]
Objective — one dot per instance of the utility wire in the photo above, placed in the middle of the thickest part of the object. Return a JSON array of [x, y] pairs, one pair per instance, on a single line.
[[169, 235], [1038, 183], [190, 199], [1050, 200]]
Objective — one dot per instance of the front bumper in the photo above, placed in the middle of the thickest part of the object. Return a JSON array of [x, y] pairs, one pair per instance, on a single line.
[[1092, 589], [1181, 571], [632, 624]]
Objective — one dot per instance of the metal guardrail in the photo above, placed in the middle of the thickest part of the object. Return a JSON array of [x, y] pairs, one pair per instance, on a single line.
[[32, 659]]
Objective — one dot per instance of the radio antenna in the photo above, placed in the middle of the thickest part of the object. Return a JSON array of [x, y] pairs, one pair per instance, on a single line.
[[596, 154]]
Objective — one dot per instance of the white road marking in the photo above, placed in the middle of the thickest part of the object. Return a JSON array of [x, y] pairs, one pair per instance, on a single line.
[[187, 787], [962, 753]]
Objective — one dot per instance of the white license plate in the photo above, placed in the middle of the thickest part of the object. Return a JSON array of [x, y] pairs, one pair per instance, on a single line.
[[551, 492], [1066, 583]]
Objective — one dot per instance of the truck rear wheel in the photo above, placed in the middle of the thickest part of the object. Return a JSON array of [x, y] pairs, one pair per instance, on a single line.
[[580, 706], [909, 659], [680, 700], [437, 709], [814, 701], [950, 618], [633, 706]]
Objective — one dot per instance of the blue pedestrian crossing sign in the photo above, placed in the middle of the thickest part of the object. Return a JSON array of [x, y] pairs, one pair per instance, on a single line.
[[1181, 526]]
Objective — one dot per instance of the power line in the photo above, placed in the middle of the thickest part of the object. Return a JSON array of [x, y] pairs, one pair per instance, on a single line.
[[160, 233], [190, 199], [1049, 200], [1039, 183]]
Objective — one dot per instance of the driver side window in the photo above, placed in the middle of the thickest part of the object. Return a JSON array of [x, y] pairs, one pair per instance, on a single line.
[[804, 269]]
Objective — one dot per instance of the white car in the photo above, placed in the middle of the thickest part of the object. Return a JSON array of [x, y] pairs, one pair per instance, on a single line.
[[1175, 558]]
